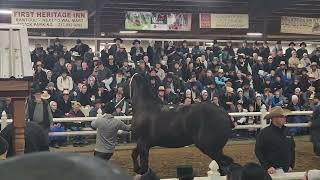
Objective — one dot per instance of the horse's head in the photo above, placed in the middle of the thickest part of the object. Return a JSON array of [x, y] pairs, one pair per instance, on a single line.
[[138, 88]]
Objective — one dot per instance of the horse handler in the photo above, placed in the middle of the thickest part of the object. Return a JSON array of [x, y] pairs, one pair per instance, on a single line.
[[275, 147], [107, 129]]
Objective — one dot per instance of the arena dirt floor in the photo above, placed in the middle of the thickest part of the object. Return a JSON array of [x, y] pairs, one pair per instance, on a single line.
[[164, 161]]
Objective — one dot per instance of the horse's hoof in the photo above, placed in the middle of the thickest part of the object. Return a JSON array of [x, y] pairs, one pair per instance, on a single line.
[[137, 170], [143, 170]]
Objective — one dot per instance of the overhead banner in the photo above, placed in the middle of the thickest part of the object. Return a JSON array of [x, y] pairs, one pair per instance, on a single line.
[[158, 21], [300, 25], [50, 18], [228, 21]]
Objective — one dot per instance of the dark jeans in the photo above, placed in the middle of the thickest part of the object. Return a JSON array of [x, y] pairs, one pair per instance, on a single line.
[[106, 156]]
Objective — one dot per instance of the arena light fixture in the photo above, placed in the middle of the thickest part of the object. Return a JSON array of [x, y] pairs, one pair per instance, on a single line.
[[128, 32], [254, 34], [5, 11], [111, 43], [209, 44]]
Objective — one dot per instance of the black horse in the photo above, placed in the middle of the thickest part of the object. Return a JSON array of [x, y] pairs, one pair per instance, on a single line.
[[205, 125]]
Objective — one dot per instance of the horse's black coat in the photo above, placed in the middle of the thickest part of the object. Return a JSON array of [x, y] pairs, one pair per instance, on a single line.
[[205, 125]]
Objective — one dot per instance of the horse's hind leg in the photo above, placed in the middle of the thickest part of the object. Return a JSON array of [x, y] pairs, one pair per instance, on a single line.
[[223, 161]]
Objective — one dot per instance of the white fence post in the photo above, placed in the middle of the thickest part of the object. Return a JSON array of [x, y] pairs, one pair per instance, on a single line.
[[4, 120], [263, 111], [214, 174]]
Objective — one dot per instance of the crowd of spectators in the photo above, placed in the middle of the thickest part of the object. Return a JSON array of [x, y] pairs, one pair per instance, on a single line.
[[237, 79]]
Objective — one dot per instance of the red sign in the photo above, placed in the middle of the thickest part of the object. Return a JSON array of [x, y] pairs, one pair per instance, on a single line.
[[205, 20]]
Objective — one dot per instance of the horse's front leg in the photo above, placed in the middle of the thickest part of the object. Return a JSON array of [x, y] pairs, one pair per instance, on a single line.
[[144, 159], [134, 156]]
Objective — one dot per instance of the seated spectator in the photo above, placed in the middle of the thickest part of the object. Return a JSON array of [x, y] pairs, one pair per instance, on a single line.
[[84, 97], [54, 94], [220, 79], [103, 94], [213, 90], [266, 97], [204, 97], [293, 61], [77, 126], [83, 73], [115, 47], [187, 102], [111, 65], [305, 61], [64, 82], [229, 100], [64, 104], [277, 99], [240, 98], [270, 65], [314, 75], [117, 101], [316, 57], [295, 106], [97, 105], [258, 103], [169, 96], [57, 141], [92, 85], [248, 92]]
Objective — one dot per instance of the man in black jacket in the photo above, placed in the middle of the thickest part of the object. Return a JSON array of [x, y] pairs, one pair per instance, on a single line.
[[36, 140], [275, 148]]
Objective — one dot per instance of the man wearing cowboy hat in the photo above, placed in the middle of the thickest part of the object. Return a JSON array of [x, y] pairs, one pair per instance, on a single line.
[[275, 148], [38, 109], [302, 50]]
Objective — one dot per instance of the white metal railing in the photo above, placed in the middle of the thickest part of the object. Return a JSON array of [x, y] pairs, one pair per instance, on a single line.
[[261, 114]]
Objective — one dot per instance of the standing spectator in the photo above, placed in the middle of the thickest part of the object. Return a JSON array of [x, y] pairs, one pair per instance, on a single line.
[[278, 47], [229, 48], [107, 130], [104, 54], [38, 53], [66, 54], [254, 49], [316, 58], [265, 50], [115, 47], [40, 76], [275, 148], [80, 47], [136, 51], [196, 50], [224, 56], [290, 49], [121, 56], [244, 50], [302, 50], [64, 82], [279, 58], [216, 50], [39, 111]]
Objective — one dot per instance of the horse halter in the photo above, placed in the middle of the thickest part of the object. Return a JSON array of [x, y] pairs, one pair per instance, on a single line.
[[130, 87]]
